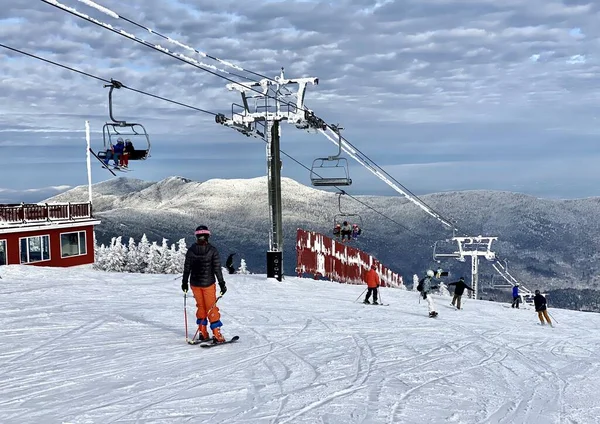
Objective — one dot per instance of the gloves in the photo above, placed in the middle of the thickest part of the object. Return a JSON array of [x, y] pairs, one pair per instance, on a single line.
[[184, 286], [223, 288]]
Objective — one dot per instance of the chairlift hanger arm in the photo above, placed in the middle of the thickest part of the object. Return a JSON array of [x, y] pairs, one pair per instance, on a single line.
[[113, 84]]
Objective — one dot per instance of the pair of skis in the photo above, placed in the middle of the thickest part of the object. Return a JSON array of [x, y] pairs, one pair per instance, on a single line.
[[110, 168], [211, 343]]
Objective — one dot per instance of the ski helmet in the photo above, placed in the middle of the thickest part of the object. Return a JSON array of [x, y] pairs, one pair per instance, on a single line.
[[430, 273], [537, 292], [373, 266], [202, 232], [462, 278]]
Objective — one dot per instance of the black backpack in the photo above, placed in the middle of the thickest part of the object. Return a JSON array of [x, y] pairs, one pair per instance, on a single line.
[[420, 285]]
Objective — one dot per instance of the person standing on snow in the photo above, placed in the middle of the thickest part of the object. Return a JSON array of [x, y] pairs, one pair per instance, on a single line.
[[516, 297], [372, 280], [427, 285], [202, 264], [229, 263], [458, 291], [540, 307]]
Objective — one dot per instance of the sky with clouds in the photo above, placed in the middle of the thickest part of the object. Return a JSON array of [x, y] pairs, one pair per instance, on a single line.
[[442, 94]]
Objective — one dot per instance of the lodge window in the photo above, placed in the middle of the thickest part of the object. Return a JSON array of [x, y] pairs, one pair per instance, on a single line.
[[35, 249], [72, 244], [3, 258]]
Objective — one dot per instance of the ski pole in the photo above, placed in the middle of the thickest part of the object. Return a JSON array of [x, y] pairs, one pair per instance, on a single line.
[[552, 316], [360, 295], [185, 314]]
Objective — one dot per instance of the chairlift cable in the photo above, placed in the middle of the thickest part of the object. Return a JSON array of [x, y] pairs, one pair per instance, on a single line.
[[156, 47], [363, 161], [105, 80], [227, 63]]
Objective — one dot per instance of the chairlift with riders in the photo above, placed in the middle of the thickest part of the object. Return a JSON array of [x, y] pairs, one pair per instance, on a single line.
[[331, 165], [115, 131]]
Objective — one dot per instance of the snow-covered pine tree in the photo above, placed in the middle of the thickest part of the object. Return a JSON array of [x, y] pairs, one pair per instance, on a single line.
[[242, 269], [173, 265], [143, 249], [116, 256], [415, 282], [100, 261], [154, 260], [133, 258], [444, 289]]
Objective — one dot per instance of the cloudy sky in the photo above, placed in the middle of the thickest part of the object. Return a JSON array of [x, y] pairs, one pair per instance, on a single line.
[[443, 94]]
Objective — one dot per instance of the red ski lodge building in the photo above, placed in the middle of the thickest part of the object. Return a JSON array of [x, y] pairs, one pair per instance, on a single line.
[[59, 235]]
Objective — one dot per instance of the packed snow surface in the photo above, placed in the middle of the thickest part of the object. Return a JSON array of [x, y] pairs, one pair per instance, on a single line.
[[81, 346]]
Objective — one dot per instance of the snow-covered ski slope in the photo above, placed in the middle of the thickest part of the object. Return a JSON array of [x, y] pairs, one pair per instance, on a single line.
[[80, 346]]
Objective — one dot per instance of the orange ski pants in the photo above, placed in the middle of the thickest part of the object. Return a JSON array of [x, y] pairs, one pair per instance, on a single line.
[[205, 299]]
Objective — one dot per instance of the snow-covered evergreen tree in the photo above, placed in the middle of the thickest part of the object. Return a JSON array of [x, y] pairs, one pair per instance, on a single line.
[[154, 260], [116, 256], [415, 282], [143, 249], [444, 289], [133, 258], [100, 261], [242, 269], [173, 263]]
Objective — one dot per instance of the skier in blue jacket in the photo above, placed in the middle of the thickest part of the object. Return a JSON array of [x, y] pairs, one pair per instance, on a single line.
[[516, 297]]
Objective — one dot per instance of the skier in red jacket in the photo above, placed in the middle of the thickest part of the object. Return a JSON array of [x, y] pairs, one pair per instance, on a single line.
[[372, 280]]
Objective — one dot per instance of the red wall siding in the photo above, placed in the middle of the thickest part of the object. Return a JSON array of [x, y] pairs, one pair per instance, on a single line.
[[318, 254], [14, 252]]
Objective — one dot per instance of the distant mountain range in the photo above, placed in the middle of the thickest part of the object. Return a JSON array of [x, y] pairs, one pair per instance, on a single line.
[[549, 244]]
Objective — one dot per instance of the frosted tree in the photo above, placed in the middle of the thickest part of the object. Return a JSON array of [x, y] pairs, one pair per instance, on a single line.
[[133, 259], [444, 289], [173, 266], [116, 256], [415, 282], [143, 249], [154, 260], [100, 261], [242, 269], [182, 249], [165, 256]]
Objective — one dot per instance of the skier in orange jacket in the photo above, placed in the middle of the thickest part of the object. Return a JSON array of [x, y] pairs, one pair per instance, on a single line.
[[372, 280]]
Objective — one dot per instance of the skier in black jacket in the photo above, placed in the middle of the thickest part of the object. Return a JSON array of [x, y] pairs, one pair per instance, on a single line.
[[229, 263], [540, 307], [459, 290], [202, 264]]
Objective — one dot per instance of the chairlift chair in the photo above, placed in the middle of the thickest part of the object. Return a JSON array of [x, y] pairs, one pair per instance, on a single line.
[[331, 165], [111, 131], [339, 218]]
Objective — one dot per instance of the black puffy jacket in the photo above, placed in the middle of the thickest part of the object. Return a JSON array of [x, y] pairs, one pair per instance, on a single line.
[[202, 264], [539, 302]]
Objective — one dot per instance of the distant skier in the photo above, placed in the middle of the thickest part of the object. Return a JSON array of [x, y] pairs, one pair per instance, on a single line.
[[202, 264], [516, 297], [459, 289], [337, 231], [426, 285], [373, 281], [540, 307], [229, 263]]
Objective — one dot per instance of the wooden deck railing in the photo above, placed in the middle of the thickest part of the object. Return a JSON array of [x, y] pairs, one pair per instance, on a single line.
[[44, 212]]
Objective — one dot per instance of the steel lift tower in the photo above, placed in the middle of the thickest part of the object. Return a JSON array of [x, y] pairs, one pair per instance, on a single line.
[[475, 247], [265, 104]]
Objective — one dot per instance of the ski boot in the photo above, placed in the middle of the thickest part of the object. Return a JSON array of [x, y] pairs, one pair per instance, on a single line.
[[433, 314], [375, 302], [366, 302], [217, 336]]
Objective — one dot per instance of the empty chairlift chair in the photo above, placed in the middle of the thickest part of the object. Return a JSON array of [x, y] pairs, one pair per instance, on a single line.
[[331, 171]]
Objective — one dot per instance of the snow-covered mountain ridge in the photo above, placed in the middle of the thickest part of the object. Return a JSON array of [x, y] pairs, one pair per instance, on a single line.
[[549, 242]]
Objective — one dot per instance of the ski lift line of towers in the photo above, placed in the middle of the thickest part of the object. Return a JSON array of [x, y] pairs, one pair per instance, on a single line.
[[476, 247]]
